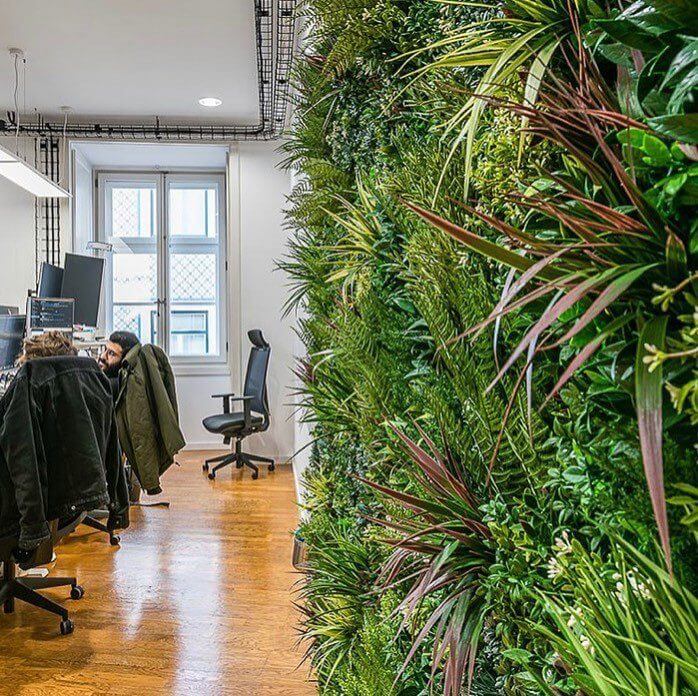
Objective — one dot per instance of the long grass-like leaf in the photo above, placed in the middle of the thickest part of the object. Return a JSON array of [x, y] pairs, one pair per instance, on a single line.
[[648, 395], [584, 354], [481, 245], [609, 295]]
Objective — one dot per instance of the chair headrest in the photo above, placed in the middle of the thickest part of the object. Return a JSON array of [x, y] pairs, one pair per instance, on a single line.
[[256, 338]]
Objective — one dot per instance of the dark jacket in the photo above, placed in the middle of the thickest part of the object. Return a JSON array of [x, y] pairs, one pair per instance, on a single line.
[[58, 448], [147, 415]]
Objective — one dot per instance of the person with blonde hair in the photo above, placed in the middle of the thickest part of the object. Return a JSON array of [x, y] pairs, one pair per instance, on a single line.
[[46, 345]]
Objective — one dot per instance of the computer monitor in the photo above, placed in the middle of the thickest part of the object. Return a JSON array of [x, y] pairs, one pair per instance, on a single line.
[[82, 280], [50, 281], [11, 337], [50, 314]]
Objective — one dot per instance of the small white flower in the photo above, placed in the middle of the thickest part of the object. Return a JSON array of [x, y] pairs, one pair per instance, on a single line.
[[562, 543], [586, 644], [575, 616], [637, 586], [554, 568]]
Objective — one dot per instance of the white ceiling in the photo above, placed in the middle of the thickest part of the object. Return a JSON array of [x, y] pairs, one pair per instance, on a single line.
[[133, 58]]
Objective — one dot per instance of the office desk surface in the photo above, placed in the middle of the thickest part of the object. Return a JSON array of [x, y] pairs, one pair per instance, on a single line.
[[197, 600]]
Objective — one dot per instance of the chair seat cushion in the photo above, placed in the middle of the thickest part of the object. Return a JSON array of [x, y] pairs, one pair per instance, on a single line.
[[229, 422]]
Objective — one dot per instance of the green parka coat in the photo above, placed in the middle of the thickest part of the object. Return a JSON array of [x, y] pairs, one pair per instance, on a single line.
[[147, 416]]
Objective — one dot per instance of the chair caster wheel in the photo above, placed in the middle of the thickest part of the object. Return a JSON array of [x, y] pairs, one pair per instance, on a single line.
[[205, 467], [77, 592], [67, 627], [212, 475], [271, 467], [255, 475], [115, 540]]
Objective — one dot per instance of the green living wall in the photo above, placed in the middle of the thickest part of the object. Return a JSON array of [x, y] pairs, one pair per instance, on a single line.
[[495, 268]]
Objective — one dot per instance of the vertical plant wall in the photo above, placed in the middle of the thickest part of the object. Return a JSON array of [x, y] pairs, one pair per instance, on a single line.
[[495, 258]]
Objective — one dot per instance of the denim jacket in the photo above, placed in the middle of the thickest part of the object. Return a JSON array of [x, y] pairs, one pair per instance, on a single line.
[[58, 448]]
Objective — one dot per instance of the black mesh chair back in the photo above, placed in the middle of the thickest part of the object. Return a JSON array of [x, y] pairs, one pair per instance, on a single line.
[[256, 377]]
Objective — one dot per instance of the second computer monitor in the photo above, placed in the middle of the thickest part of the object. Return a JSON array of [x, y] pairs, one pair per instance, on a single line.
[[82, 280], [50, 281]]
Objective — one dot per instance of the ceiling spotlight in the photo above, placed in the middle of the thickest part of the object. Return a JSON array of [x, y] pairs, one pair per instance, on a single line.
[[210, 102]]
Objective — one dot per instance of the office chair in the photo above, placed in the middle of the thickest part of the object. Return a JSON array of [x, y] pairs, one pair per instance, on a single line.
[[25, 588], [254, 417]]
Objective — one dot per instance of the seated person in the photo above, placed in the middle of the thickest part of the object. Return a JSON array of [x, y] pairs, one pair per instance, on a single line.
[[115, 350], [147, 414]]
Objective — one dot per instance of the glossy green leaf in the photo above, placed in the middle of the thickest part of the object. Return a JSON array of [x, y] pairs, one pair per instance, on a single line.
[[628, 33], [683, 12], [683, 127], [658, 154]]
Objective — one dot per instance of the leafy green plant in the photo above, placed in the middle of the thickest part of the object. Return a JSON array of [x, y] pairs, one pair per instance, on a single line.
[[341, 572], [376, 664], [586, 212], [654, 43], [630, 629], [525, 36], [592, 255], [441, 548]]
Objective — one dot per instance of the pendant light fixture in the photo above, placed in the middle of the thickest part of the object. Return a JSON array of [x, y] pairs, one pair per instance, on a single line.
[[14, 168], [19, 172]]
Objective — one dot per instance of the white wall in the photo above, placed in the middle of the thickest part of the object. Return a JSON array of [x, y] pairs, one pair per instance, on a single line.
[[16, 234], [263, 288], [16, 243], [83, 210]]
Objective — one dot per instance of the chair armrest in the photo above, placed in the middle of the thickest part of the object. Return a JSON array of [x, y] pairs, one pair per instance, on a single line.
[[246, 409], [226, 400]]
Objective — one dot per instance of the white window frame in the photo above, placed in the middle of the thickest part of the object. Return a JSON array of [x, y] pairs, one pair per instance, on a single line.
[[162, 243]]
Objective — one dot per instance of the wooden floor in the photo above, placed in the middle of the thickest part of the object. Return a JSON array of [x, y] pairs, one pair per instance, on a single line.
[[196, 600]]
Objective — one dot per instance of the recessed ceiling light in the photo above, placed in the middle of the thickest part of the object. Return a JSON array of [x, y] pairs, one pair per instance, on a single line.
[[210, 102]]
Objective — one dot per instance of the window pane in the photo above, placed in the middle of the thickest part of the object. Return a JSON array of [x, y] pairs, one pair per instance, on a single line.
[[133, 211], [136, 318], [193, 277], [194, 297], [192, 212], [189, 331], [134, 278]]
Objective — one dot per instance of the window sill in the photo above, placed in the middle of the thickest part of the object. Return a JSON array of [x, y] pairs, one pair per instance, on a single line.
[[201, 369]]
